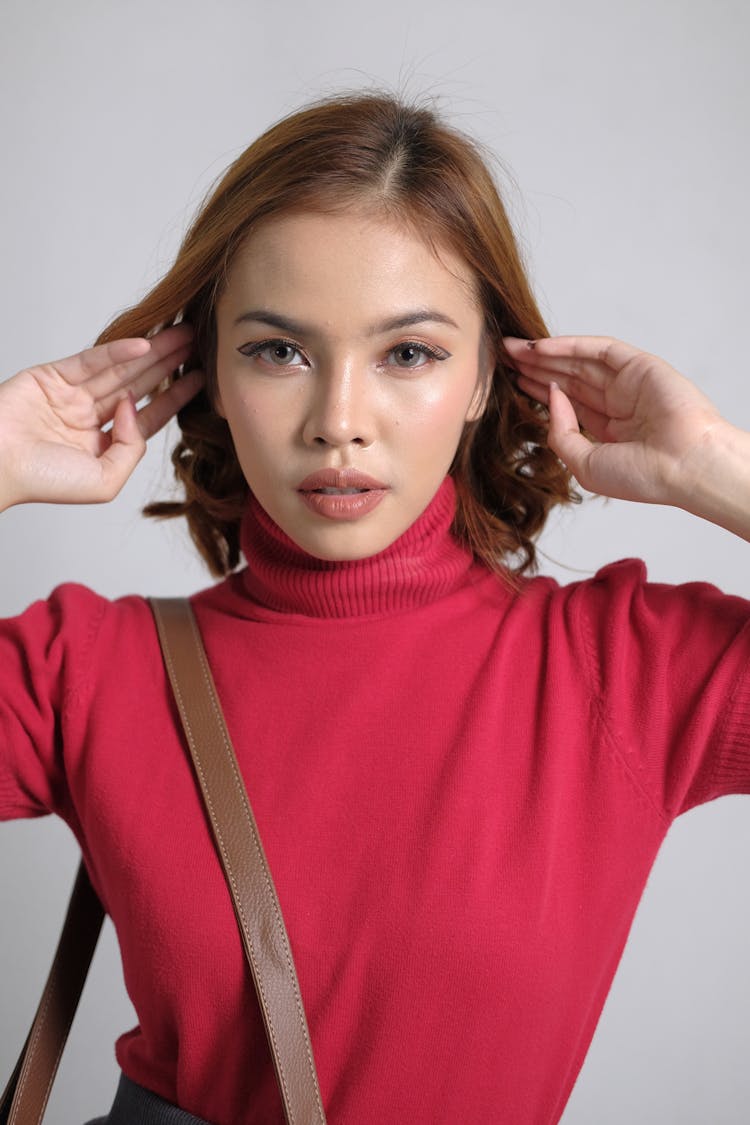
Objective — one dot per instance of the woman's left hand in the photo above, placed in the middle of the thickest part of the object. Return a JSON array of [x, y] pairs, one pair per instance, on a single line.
[[652, 428]]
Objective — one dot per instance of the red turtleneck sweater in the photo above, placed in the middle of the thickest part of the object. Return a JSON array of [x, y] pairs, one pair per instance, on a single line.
[[461, 791]]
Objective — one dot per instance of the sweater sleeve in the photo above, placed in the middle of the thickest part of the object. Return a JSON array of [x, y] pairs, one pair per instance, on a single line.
[[44, 655], [671, 672]]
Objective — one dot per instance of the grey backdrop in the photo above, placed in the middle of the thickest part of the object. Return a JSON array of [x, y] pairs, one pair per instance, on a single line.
[[625, 126]]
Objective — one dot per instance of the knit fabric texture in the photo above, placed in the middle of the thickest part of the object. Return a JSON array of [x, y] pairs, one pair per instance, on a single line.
[[461, 790]]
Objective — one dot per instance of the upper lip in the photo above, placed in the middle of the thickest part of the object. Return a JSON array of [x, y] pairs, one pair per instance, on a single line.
[[338, 478]]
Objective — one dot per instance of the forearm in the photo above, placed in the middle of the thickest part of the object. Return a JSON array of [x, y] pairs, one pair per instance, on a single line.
[[714, 480]]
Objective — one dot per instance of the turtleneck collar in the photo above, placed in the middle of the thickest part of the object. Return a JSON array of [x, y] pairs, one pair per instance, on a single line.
[[423, 564]]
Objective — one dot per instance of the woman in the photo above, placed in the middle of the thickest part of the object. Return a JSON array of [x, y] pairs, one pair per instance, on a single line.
[[461, 774]]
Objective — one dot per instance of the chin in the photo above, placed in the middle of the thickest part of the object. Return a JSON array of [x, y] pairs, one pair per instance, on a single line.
[[346, 542]]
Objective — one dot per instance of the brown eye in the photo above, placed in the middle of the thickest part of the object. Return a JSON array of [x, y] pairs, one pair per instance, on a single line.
[[283, 353], [278, 353], [412, 355], [409, 356]]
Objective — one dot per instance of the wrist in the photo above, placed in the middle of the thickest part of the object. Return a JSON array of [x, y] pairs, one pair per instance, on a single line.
[[10, 495], [713, 480], [6, 499]]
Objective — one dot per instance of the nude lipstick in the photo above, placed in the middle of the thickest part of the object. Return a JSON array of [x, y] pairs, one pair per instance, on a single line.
[[341, 494]]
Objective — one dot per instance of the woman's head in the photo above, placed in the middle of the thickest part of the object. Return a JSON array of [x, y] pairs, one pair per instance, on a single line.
[[346, 346], [400, 167]]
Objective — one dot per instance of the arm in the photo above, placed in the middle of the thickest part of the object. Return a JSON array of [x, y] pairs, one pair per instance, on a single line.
[[656, 437], [53, 445]]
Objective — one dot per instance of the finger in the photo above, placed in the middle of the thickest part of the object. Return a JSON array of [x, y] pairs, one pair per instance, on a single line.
[[567, 373], [105, 366], [82, 366], [583, 397], [565, 438], [586, 373], [582, 351], [598, 424], [152, 417], [139, 383], [166, 352], [125, 450]]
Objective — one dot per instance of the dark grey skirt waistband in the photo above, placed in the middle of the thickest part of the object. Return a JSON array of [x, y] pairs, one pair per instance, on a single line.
[[135, 1105]]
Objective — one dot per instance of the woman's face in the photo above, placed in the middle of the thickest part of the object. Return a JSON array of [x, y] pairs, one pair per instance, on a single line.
[[347, 349]]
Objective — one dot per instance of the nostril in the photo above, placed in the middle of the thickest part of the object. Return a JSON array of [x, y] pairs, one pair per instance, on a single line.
[[347, 441]]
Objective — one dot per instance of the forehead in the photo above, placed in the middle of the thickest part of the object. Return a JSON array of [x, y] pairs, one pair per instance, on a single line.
[[349, 259]]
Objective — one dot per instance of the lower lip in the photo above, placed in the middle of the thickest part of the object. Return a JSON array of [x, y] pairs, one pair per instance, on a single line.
[[343, 506]]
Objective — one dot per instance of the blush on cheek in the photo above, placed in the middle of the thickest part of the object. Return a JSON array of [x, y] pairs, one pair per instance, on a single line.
[[446, 414]]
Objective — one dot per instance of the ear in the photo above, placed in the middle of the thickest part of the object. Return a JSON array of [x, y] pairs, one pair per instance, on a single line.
[[478, 403], [485, 375], [214, 393]]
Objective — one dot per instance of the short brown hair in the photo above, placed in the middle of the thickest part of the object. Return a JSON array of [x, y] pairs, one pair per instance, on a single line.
[[372, 149]]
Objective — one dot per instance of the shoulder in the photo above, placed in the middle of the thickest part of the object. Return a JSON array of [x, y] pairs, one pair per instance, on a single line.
[[76, 613], [618, 612], [620, 597], [614, 584], [624, 585]]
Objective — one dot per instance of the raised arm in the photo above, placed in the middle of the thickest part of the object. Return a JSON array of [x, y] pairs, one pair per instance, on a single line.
[[651, 435], [54, 447]]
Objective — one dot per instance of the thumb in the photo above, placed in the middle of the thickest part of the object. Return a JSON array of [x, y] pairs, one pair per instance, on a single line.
[[565, 437], [126, 448]]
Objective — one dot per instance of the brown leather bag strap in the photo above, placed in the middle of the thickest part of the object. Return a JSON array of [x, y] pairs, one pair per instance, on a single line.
[[253, 893], [25, 1098]]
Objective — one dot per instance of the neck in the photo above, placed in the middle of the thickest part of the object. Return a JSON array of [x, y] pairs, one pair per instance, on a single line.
[[423, 564]]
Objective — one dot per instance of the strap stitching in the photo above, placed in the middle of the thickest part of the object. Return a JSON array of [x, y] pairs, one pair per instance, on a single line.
[[243, 797], [26, 1070], [25, 1073], [219, 833], [251, 821]]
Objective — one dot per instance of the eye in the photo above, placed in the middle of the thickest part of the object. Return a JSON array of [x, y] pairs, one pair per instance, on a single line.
[[410, 352], [281, 352]]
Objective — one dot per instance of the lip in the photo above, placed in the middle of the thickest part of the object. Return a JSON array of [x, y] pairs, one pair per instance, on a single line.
[[340, 478], [341, 505]]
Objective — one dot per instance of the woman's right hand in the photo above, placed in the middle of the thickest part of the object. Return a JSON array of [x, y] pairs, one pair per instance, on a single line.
[[53, 448]]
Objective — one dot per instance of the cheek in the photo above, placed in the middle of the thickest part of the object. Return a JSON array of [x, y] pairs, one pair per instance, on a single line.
[[246, 420], [439, 414]]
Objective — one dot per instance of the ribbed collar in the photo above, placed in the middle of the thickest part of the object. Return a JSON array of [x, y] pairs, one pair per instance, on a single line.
[[423, 564]]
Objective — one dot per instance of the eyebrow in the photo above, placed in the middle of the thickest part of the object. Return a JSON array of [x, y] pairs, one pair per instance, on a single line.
[[296, 328]]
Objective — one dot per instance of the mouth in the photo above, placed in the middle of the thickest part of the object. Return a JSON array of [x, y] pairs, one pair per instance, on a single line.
[[340, 482], [341, 494], [339, 491]]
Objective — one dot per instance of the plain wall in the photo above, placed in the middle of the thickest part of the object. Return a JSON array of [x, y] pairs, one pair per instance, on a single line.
[[625, 127]]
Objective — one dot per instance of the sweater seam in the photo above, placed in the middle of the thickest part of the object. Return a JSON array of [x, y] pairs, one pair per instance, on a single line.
[[589, 651], [717, 759], [75, 692]]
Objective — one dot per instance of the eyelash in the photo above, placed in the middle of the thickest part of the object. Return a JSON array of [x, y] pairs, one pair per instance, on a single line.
[[251, 350]]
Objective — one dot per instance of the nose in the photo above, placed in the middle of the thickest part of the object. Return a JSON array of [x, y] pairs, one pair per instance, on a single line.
[[339, 411]]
